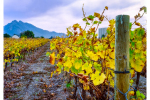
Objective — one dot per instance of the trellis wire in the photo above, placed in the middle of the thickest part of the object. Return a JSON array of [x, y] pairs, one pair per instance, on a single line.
[[125, 94]]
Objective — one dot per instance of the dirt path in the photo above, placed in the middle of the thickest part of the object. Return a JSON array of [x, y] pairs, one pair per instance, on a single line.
[[30, 79]]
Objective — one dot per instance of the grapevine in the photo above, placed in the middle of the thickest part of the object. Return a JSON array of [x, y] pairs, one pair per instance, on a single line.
[[16, 48], [92, 60]]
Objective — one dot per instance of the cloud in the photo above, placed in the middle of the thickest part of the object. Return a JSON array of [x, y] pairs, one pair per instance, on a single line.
[[16, 5], [59, 17], [30, 8]]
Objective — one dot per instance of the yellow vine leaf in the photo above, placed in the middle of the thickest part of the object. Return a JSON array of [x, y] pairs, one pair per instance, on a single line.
[[78, 64], [97, 15], [58, 70], [89, 53], [100, 79], [58, 56], [112, 82], [52, 46], [131, 82], [111, 64], [78, 54], [101, 54], [52, 58], [112, 22], [87, 67], [82, 72], [144, 40], [51, 74], [139, 44], [76, 25], [92, 55], [137, 65], [132, 73], [112, 55], [68, 53], [112, 44], [94, 75], [86, 87], [84, 34], [131, 93], [68, 63], [137, 51], [106, 7]]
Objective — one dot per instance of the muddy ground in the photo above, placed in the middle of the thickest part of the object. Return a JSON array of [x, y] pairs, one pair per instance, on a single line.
[[30, 79]]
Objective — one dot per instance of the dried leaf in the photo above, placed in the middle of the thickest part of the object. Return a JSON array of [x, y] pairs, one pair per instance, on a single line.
[[138, 24], [97, 15], [106, 7]]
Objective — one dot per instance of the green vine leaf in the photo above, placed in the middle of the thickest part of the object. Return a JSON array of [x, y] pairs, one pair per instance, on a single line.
[[95, 22], [88, 23]]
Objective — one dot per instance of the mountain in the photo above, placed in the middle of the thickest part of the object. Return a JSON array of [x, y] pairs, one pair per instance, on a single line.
[[16, 27]]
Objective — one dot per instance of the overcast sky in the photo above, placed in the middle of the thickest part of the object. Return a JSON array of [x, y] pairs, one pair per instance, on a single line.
[[57, 15]]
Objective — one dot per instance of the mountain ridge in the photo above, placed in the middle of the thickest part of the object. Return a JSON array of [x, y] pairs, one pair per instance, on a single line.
[[16, 27]]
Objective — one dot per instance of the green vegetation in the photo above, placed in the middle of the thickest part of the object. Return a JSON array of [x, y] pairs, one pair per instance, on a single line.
[[42, 37], [51, 37], [27, 34], [6, 35]]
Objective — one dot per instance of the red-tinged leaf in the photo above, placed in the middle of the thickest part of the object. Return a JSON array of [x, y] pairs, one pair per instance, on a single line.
[[138, 24], [101, 18], [80, 74], [90, 17], [71, 74], [75, 33]]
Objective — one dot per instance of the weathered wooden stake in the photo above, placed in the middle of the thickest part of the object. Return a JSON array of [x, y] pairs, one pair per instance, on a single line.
[[122, 56]]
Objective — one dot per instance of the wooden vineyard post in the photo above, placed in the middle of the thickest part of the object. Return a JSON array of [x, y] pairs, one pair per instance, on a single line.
[[122, 72]]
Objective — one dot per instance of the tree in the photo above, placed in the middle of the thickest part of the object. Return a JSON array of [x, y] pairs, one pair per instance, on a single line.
[[37, 37], [42, 37], [51, 37], [6, 35], [103, 35], [28, 34]]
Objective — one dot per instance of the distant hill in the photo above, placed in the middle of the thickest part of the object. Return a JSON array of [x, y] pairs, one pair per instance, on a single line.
[[16, 27]]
